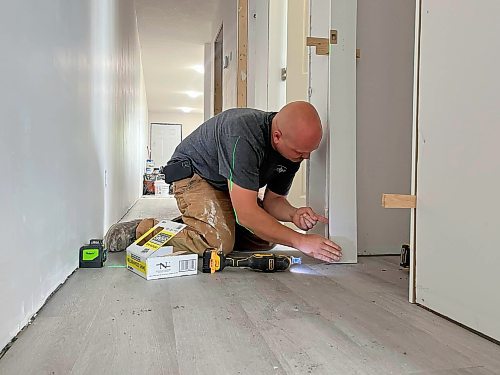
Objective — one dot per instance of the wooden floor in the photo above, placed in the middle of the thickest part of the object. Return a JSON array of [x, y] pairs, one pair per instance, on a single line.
[[319, 319]]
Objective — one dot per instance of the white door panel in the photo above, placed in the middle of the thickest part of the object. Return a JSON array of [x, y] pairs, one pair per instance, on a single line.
[[458, 170], [332, 172], [164, 140]]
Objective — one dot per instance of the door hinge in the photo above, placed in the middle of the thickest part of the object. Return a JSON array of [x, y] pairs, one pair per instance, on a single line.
[[283, 74], [333, 36]]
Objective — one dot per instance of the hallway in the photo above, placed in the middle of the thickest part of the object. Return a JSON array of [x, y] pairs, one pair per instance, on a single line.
[[318, 319]]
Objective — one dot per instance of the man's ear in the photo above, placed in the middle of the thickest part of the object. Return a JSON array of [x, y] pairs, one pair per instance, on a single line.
[[277, 135]]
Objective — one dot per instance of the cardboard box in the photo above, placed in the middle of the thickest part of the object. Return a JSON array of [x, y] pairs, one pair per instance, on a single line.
[[152, 260]]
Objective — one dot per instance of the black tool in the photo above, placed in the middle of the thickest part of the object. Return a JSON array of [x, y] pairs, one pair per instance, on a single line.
[[214, 261]]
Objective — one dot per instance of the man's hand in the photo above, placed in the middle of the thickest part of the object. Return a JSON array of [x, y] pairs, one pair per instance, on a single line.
[[305, 218], [319, 247]]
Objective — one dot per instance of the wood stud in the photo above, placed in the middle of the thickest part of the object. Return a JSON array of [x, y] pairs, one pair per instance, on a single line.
[[399, 201], [322, 45]]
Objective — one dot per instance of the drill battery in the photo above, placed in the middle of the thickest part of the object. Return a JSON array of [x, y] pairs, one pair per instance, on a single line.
[[93, 255]]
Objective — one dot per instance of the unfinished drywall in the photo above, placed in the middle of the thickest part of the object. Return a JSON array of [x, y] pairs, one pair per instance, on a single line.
[[189, 121], [72, 106], [385, 36], [458, 169], [227, 15]]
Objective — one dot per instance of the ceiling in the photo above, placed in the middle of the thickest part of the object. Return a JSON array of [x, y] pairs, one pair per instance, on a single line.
[[172, 34]]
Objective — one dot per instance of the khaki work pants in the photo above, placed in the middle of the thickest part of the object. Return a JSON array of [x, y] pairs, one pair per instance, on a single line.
[[210, 219]]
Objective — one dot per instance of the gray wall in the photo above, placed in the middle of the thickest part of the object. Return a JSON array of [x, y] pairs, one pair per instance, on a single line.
[[72, 140], [384, 121]]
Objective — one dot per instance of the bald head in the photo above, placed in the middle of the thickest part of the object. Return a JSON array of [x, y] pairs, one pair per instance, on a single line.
[[296, 131]]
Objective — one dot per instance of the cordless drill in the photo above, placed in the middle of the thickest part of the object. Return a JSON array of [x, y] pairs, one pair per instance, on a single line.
[[214, 261]]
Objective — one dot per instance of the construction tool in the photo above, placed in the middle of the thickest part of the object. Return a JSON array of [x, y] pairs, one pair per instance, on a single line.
[[214, 261], [93, 255]]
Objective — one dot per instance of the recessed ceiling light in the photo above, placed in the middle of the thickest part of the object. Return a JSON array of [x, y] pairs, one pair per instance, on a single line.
[[199, 68], [193, 94], [186, 109]]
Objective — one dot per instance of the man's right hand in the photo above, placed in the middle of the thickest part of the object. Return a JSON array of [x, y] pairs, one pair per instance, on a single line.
[[319, 247]]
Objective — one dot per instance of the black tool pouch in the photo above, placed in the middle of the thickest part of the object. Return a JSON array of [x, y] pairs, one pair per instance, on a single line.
[[178, 170]]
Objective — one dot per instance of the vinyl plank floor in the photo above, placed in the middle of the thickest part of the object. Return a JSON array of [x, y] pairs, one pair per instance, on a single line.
[[318, 319]]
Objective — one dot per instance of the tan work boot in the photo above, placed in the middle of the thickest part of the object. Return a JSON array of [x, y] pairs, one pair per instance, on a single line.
[[120, 235]]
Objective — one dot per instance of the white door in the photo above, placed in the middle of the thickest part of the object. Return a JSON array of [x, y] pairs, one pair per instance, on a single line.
[[332, 168], [164, 140], [458, 170]]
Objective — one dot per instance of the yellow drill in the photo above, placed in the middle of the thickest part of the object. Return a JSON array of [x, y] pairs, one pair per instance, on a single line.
[[214, 261]]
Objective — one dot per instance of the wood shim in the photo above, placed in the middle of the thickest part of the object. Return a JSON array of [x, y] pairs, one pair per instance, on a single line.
[[322, 45], [399, 201], [241, 90]]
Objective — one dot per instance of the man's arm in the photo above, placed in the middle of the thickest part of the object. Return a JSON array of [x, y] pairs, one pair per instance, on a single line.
[[250, 215], [279, 207]]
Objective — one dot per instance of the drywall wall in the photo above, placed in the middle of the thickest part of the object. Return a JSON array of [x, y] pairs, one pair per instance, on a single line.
[[458, 170], [124, 118], [71, 103], [385, 36], [189, 121]]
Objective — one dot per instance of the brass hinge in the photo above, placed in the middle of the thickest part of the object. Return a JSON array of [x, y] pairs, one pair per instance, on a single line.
[[333, 36]]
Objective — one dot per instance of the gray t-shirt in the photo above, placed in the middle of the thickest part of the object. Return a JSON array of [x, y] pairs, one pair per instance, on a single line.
[[235, 145]]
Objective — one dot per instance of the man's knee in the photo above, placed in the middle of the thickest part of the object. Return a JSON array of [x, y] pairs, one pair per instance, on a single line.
[[221, 239]]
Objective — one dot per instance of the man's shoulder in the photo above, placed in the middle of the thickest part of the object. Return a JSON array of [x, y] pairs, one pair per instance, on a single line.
[[245, 113]]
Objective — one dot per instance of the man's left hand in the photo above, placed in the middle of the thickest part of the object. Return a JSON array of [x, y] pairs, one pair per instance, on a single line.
[[305, 218]]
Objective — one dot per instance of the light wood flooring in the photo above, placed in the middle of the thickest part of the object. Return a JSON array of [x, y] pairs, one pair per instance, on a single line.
[[319, 319]]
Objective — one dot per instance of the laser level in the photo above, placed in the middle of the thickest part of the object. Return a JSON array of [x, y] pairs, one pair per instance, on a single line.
[[93, 255]]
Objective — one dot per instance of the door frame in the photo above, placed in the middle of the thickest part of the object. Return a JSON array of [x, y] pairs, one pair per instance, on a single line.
[[218, 71], [412, 295], [151, 133]]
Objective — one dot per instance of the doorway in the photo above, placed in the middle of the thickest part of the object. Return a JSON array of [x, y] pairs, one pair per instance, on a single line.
[[164, 138], [218, 68]]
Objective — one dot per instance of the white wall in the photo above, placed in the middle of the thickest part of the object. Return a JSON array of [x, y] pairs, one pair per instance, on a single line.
[[227, 15], [258, 54], [189, 121], [385, 35], [65, 120], [277, 95], [124, 123]]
